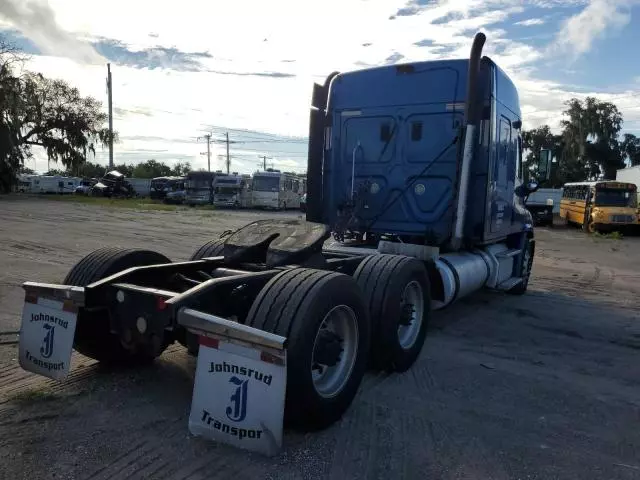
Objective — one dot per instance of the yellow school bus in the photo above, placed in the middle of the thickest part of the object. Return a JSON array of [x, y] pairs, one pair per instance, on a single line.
[[602, 205]]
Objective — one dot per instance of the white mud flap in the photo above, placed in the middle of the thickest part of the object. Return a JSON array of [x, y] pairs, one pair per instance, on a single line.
[[48, 327], [240, 384]]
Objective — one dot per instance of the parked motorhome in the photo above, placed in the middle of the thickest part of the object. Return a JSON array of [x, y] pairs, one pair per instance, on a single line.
[[54, 184], [24, 183], [275, 190], [199, 187], [232, 191], [160, 186], [142, 186]]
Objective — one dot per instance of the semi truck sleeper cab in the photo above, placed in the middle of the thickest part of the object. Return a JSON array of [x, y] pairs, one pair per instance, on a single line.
[[415, 171]]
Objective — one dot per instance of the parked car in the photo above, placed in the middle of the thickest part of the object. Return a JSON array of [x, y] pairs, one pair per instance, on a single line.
[[85, 186], [175, 197]]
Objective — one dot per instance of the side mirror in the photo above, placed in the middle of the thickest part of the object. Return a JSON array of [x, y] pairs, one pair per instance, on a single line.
[[544, 165], [525, 189]]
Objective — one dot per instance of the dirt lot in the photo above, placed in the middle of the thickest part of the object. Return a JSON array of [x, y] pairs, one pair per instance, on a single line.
[[541, 386]]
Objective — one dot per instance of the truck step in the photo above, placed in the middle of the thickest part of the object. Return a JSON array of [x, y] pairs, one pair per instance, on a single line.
[[508, 253], [509, 283]]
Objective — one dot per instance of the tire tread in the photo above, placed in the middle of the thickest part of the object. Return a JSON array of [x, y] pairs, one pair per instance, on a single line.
[[286, 306], [376, 275]]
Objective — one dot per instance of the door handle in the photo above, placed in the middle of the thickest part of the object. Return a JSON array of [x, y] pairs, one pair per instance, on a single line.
[[353, 168]]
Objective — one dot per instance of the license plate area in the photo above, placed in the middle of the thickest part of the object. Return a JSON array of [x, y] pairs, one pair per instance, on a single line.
[[622, 218]]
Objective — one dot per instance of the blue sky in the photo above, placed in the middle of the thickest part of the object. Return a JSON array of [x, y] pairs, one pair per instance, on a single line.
[[246, 67]]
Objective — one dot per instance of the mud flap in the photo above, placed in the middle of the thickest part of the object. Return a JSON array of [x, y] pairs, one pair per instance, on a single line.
[[240, 383], [48, 326]]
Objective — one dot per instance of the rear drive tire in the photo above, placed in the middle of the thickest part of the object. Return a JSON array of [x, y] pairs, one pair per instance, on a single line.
[[397, 291], [93, 336], [318, 312], [212, 248]]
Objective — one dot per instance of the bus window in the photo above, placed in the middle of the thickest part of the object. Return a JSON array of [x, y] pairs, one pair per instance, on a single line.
[[609, 197], [265, 184]]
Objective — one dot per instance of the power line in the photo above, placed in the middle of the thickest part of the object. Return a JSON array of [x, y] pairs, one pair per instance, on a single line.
[[256, 135], [244, 130], [294, 142], [240, 140], [273, 152]]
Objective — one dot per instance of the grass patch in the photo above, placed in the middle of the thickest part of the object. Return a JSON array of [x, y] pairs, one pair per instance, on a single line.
[[608, 236], [132, 203], [33, 396]]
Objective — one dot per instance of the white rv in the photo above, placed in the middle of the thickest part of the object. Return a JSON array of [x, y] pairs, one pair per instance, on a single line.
[[54, 184], [24, 183], [275, 189], [232, 191]]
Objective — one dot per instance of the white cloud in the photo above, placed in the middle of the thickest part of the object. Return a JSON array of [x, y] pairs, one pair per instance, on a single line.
[[530, 22], [37, 21], [595, 20], [557, 3], [160, 112]]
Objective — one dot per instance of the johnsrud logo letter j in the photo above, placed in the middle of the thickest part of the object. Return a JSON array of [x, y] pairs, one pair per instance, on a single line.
[[46, 350], [237, 411]]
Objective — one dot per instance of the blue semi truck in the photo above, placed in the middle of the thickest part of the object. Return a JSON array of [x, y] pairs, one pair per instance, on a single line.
[[413, 169]]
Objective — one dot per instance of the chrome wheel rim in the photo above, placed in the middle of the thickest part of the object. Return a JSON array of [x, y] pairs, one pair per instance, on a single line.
[[412, 312], [335, 349]]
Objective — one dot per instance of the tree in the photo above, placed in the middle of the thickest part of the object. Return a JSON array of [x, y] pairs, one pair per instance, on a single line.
[[181, 169], [630, 147], [57, 118], [39, 112], [92, 170], [126, 170], [151, 169], [536, 140], [591, 136], [11, 158]]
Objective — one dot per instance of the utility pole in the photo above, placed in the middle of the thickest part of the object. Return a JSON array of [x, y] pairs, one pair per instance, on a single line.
[[227, 142], [228, 159], [264, 161], [207, 137], [110, 94]]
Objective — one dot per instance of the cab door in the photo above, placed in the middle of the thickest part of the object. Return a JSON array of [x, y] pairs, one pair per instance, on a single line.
[[502, 183]]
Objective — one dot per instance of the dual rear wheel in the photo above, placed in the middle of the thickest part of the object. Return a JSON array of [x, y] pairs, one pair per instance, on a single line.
[[336, 325]]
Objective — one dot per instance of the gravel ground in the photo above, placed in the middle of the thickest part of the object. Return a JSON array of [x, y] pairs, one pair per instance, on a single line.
[[540, 386]]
